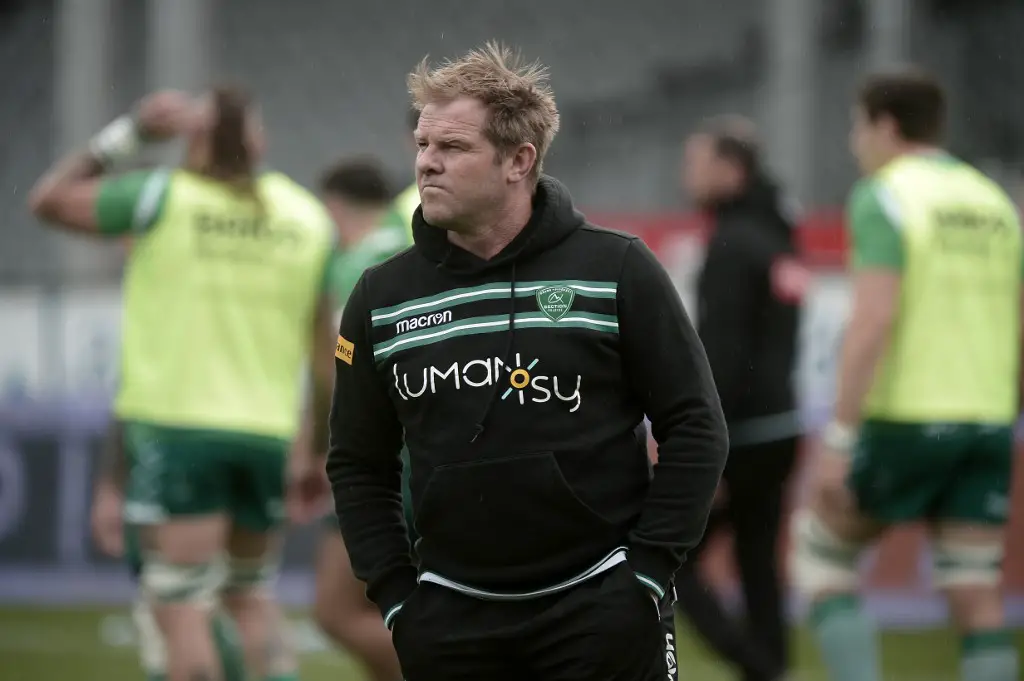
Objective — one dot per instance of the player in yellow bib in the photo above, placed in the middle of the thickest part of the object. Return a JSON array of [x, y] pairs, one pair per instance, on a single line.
[[225, 302], [928, 385]]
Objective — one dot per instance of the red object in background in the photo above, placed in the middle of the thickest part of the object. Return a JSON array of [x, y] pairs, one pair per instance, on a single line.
[[790, 280], [820, 237], [899, 564]]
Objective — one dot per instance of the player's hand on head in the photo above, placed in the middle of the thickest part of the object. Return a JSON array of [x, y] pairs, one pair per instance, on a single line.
[[163, 114], [107, 526]]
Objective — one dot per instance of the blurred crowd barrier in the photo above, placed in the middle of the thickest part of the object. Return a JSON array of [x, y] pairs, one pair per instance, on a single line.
[[58, 366]]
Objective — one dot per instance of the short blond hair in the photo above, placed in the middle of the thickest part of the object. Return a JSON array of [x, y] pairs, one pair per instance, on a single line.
[[519, 101]]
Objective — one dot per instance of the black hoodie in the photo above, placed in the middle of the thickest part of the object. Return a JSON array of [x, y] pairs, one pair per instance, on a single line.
[[521, 384], [749, 296]]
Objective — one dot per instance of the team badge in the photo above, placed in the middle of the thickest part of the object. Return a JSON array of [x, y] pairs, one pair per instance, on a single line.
[[555, 301]]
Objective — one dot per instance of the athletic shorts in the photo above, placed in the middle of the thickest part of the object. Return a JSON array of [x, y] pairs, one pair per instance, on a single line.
[[331, 520], [902, 472], [178, 472]]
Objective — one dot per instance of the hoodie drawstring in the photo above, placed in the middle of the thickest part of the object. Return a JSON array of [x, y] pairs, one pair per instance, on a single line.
[[510, 344]]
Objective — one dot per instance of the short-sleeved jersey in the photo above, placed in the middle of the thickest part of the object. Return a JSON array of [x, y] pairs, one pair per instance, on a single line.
[[375, 248], [875, 239], [402, 209], [955, 239], [220, 293], [392, 236]]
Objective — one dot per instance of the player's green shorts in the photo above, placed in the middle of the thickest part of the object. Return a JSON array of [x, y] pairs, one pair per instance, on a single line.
[[903, 472], [179, 472], [331, 521]]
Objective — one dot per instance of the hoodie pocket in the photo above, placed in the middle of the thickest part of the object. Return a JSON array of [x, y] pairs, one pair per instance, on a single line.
[[516, 511]]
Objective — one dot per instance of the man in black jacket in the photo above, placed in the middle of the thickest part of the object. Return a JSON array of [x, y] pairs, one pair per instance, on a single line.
[[517, 349], [749, 295]]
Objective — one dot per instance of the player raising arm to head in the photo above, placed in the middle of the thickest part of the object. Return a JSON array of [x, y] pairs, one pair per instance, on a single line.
[[224, 303]]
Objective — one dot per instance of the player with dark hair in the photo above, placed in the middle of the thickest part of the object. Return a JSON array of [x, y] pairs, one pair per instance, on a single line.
[[358, 197], [224, 305], [928, 388], [357, 194]]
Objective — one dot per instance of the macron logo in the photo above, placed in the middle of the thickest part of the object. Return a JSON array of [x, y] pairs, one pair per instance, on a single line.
[[423, 321]]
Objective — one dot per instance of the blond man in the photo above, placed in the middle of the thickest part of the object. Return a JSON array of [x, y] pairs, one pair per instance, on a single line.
[[516, 350]]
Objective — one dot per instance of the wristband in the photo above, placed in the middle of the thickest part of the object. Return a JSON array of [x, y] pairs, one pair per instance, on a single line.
[[117, 142], [839, 436]]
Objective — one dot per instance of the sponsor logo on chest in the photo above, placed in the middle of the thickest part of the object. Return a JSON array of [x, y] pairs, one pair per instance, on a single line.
[[423, 321], [524, 382]]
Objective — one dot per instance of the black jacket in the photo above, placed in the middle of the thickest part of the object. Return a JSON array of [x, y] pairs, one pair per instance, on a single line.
[[528, 456], [749, 311]]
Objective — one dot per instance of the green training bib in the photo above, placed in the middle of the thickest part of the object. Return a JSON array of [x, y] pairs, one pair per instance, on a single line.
[[219, 299], [954, 349]]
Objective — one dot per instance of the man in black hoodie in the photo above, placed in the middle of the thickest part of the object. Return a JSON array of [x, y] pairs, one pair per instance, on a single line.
[[517, 348], [749, 295]]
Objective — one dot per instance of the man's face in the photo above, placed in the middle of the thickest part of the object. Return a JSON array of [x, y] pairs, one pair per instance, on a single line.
[[706, 175], [458, 171], [871, 142]]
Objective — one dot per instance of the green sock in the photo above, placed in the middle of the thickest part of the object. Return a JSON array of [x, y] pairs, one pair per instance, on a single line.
[[229, 646], [988, 656], [847, 639]]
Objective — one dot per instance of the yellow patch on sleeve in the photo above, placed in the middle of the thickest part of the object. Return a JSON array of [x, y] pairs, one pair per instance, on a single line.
[[344, 350]]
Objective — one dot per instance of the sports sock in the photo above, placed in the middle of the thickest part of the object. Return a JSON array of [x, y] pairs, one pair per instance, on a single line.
[[847, 639], [989, 656], [229, 646]]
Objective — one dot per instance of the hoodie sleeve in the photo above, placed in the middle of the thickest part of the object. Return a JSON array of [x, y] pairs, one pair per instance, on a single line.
[[669, 375], [365, 468]]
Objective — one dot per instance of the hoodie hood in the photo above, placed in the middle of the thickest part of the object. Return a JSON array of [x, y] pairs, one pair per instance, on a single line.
[[553, 220]]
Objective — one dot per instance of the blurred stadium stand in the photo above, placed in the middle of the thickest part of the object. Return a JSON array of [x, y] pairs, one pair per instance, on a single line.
[[630, 80]]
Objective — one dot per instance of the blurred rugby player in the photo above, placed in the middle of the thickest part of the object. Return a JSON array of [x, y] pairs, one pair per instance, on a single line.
[[929, 385]]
